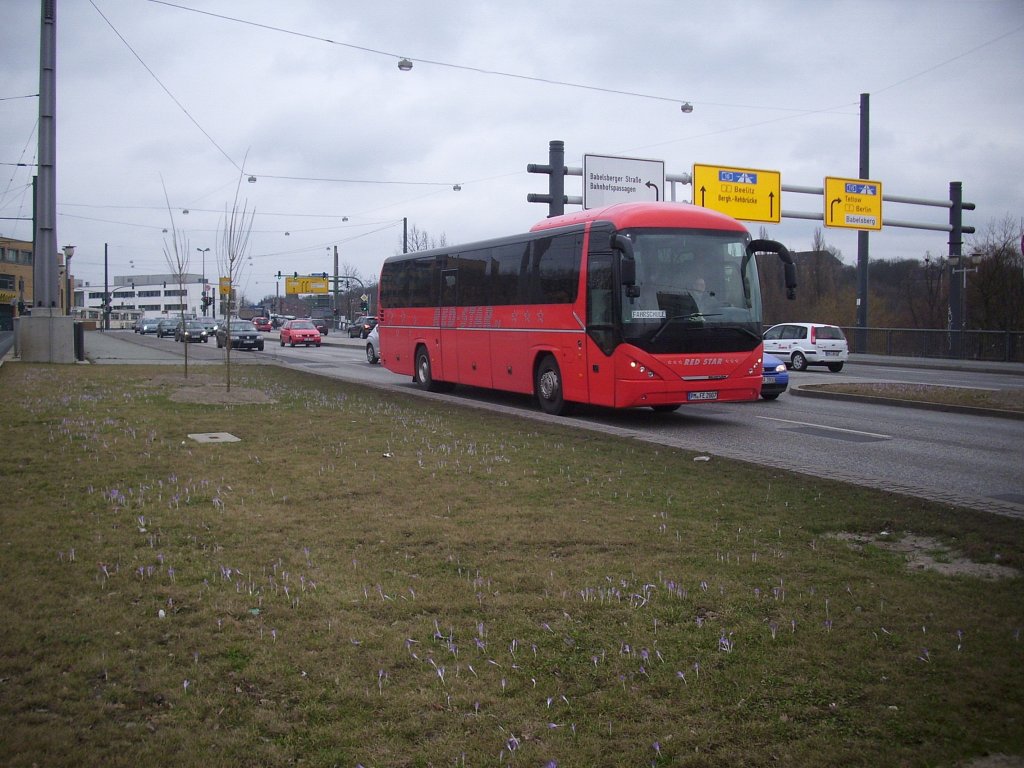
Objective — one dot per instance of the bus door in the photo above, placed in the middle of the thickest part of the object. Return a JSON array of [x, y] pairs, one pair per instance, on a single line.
[[601, 336], [448, 355]]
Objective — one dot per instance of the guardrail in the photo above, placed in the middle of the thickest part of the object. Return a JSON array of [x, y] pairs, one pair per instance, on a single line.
[[993, 346]]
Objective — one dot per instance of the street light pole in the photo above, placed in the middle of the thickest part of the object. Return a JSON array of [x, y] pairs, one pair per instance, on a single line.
[[203, 251], [69, 297]]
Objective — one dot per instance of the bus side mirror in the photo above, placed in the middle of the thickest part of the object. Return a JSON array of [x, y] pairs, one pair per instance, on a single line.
[[627, 269], [788, 267], [627, 263], [790, 270]]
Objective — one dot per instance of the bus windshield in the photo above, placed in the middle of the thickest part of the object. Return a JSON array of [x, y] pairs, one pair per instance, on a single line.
[[695, 291]]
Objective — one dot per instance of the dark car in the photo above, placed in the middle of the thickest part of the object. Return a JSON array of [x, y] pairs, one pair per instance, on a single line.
[[320, 323], [362, 327], [774, 377], [166, 327], [299, 332], [243, 335], [210, 325], [190, 331]]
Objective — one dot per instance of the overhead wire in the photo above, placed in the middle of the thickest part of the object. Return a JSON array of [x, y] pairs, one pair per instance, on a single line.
[[464, 67], [165, 88]]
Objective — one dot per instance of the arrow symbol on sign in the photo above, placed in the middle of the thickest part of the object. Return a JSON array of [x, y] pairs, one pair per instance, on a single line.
[[831, 216], [702, 191], [771, 204], [657, 192]]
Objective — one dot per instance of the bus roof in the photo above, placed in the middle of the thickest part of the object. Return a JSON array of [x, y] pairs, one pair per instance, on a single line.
[[624, 215], [620, 215]]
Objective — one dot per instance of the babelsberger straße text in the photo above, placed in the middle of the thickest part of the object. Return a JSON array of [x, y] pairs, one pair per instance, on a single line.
[[608, 183]]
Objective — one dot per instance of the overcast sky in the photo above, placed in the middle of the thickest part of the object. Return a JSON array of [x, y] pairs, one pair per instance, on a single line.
[[307, 97]]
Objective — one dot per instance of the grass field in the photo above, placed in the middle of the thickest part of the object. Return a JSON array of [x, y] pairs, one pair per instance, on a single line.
[[368, 579]]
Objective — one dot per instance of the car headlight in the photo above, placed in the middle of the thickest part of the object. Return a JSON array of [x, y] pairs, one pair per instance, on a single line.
[[780, 367]]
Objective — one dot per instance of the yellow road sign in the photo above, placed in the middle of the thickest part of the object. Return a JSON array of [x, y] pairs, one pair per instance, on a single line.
[[853, 203], [305, 284], [225, 286], [743, 193]]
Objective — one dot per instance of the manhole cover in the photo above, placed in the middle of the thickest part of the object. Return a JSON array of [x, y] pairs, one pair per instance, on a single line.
[[215, 437]]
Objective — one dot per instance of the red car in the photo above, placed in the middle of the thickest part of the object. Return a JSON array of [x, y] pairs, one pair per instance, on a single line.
[[299, 332], [262, 323]]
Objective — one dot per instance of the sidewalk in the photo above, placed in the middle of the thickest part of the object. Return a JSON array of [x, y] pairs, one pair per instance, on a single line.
[[121, 348]]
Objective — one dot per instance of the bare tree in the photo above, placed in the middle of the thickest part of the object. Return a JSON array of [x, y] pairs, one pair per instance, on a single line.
[[234, 243], [176, 252], [995, 295], [421, 240]]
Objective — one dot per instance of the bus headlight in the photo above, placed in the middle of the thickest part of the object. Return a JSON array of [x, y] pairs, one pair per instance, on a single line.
[[641, 369]]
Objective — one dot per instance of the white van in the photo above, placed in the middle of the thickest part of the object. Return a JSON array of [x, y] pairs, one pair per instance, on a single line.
[[804, 344]]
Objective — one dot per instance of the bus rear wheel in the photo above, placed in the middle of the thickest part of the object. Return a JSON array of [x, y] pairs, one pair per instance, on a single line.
[[547, 385]]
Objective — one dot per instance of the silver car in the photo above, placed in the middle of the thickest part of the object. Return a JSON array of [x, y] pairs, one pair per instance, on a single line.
[[373, 346], [147, 325]]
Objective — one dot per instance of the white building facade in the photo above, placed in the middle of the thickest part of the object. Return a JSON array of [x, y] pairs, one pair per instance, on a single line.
[[155, 295]]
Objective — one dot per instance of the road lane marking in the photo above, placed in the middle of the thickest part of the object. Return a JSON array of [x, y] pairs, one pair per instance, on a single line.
[[821, 426]]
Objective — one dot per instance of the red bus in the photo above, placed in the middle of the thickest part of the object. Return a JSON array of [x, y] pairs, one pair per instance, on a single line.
[[633, 305]]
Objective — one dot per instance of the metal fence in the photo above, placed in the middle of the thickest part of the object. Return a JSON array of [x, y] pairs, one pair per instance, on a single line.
[[994, 346]]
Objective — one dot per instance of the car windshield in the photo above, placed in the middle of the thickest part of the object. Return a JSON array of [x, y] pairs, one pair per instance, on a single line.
[[241, 325], [302, 324], [194, 325]]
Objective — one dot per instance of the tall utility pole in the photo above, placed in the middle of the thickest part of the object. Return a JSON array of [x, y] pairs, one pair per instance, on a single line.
[[47, 335], [44, 262], [105, 322], [337, 292], [862, 235]]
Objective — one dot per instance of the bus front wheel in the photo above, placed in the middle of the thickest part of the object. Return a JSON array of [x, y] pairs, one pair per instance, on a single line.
[[548, 387]]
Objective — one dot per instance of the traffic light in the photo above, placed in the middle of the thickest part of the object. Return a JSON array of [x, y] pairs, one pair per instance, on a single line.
[[556, 170], [364, 306]]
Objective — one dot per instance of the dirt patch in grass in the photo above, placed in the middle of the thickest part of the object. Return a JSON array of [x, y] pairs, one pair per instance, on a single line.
[[924, 553], [206, 389]]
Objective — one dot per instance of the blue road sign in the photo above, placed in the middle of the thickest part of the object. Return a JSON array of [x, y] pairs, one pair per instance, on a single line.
[[861, 189], [738, 177]]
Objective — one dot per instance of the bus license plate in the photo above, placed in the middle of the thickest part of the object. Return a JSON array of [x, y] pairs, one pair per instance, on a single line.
[[702, 396]]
